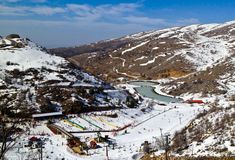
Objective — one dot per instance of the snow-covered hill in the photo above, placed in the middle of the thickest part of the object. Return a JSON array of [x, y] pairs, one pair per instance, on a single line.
[[43, 82], [196, 61]]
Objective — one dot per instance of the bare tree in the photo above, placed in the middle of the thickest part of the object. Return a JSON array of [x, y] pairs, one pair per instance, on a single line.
[[8, 135], [9, 123]]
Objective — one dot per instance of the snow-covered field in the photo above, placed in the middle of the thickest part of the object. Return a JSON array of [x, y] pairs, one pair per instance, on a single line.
[[147, 122]]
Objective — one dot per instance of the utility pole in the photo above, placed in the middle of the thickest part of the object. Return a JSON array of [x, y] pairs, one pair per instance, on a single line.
[[39, 156], [41, 152], [161, 133], [166, 146], [162, 138], [107, 152], [180, 120]]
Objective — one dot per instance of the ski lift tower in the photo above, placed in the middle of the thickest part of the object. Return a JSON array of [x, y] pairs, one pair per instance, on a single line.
[[167, 145]]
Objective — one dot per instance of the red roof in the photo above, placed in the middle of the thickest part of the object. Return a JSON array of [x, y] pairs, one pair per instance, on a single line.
[[92, 143], [33, 139], [195, 101]]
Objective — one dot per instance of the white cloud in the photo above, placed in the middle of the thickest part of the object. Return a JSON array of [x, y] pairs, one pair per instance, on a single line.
[[118, 9], [13, 1], [38, 1], [34, 1], [23, 10], [106, 11], [12, 10], [47, 10], [82, 12], [188, 21], [90, 23], [145, 20]]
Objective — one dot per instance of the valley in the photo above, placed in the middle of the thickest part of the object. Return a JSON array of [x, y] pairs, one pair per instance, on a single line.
[[125, 98]]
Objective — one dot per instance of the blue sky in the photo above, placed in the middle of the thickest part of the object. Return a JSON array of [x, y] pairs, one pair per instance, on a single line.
[[58, 23]]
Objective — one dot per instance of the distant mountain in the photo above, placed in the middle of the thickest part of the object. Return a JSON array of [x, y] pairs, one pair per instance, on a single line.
[[101, 47], [35, 81], [197, 55]]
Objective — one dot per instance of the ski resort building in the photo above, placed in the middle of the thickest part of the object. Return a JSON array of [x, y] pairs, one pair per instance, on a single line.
[[43, 116]]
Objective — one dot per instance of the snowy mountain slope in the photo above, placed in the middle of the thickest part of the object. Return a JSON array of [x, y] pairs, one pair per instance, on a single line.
[[194, 62], [210, 134], [45, 82], [174, 52]]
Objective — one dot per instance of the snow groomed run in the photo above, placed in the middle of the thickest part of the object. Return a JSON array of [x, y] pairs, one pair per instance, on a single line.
[[90, 122], [75, 124], [105, 122]]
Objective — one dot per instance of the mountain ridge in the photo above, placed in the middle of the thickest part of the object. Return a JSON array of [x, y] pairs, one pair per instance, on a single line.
[[44, 82], [168, 53]]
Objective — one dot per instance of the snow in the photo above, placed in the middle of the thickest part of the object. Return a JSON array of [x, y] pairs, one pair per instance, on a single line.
[[224, 25], [52, 76], [213, 141], [206, 52], [155, 48], [29, 57], [167, 34], [143, 35], [5, 41], [131, 49], [189, 28], [82, 84], [166, 118], [115, 94], [140, 58], [92, 55], [122, 59], [128, 87], [153, 60], [144, 125], [149, 62], [207, 27], [148, 119], [125, 74], [53, 144], [39, 68]]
